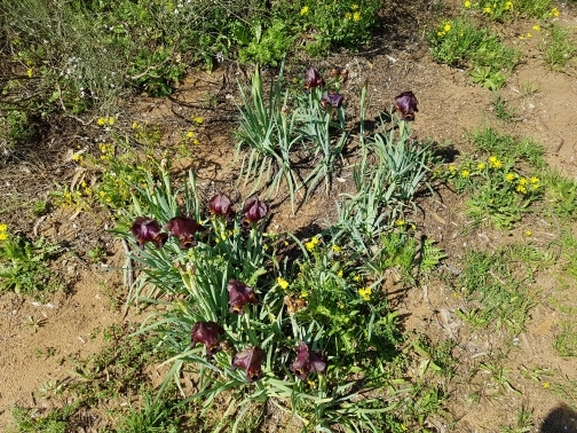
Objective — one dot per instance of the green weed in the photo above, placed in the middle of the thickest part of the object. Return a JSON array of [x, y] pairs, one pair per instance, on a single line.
[[503, 110], [498, 293], [23, 264], [561, 194], [459, 43], [566, 339], [558, 47], [506, 146]]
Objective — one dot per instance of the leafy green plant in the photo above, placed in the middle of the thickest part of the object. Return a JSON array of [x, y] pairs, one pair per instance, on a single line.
[[558, 47], [23, 266], [566, 340], [499, 297], [506, 146], [459, 43], [503, 110]]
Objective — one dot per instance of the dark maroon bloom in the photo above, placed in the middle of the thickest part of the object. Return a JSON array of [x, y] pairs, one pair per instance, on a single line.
[[184, 229], [313, 79], [406, 103], [146, 230], [254, 210], [239, 294], [340, 73], [333, 99], [308, 362], [207, 333], [220, 204], [250, 360]]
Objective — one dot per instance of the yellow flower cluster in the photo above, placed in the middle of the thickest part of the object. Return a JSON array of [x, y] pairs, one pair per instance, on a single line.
[[304, 10], [495, 162], [310, 245], [355, 14], [3, 232], [554, 12], [444, 28], [365, 293], [283, 284], [103, 121]]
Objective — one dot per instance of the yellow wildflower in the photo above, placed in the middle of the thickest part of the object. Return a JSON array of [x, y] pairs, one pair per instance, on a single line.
[[304, 10], [348, 16], [76, 157], [554, 12], [101, 121], [452, 169], [510, 177], [495, 162], [198, 120], [534, 179], [528, 233], [546, 385], [340, 273], [30, 72], [522, 189], [447, 27], [467, 4], [190, 134], [310, 245], [111, 120], [336, 248], [365, 293], [400, 223], [537, 28], [481, 166], [465, 174], [487, 10], [355, 7], [3, 234], [508, 5], [357, 278], [134, 124], [528, 35], [357, 16], [282, 283]]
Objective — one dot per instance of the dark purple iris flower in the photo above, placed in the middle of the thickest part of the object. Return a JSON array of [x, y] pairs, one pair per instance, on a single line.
[[184, 229], [250, 360], [313, 79], [333, 99], [239, 294], [340, 73], [146, 230], [207, 333], [308, 362], [254, 210], [220, 204], [406, 103]]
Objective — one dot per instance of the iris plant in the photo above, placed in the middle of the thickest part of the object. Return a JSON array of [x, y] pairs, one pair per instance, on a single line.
[[239, 294], [146, 230], [220, 204], [250, 360], [207, 333], [308, 362], [254, 210], [406, 103], [332, 99], [184, 229], [313, 79]]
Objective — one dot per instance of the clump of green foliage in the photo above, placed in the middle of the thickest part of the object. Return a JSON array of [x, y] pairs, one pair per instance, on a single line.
[[24, 264], [458, 42]]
